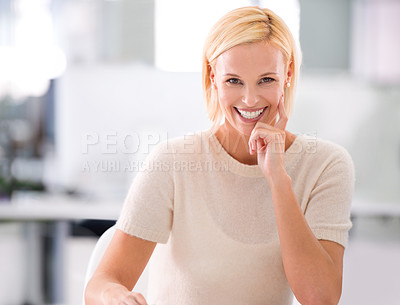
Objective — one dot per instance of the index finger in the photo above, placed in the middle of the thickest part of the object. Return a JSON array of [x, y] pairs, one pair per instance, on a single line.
[[140, 298], [283, 118]]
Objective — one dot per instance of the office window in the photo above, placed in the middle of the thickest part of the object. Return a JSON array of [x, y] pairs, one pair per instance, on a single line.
[[181, 27], [29, 58]]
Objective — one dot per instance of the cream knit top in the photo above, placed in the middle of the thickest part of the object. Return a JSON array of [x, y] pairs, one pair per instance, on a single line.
[[214, 220]]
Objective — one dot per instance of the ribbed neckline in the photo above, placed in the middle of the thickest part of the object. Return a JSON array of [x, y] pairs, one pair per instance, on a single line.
[[244, 169]]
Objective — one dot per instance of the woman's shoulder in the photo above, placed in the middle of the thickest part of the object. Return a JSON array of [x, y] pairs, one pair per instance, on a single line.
[[319, 150], [311, 157]]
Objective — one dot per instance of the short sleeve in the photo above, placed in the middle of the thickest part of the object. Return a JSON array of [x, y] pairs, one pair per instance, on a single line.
[[148, 207], [328, 209]]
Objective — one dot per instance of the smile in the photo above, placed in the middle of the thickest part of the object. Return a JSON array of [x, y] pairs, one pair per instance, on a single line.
[[251, 114]]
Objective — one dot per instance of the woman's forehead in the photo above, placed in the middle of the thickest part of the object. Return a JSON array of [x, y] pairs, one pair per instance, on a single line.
[[259, 57]]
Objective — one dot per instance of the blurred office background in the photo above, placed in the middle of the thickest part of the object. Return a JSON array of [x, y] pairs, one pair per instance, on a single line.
[[88, 87]]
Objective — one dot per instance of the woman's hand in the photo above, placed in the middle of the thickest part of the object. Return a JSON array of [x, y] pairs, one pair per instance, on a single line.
[[268, 141], [133, 298], [122, 296]]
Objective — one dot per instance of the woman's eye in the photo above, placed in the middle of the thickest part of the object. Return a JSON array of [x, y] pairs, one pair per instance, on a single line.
[[267, 80], [234, 81]]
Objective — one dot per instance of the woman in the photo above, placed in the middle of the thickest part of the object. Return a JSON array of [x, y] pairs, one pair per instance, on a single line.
[[248, 211]]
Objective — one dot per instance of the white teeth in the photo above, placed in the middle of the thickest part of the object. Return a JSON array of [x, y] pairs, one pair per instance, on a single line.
[[250, 115]]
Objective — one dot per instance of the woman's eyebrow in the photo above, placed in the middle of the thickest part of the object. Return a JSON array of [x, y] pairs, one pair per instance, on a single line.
[[269, 73], [231, 74], [264, 74]]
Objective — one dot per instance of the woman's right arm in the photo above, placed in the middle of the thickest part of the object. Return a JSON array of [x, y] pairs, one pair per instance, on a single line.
[[119, 270]]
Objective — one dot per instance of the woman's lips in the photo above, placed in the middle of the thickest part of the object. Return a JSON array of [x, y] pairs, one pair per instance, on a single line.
[[250, 115]]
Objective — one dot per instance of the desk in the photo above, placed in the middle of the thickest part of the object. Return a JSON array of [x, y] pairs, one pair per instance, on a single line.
[[54, 208], [39, 212], [364, 209]]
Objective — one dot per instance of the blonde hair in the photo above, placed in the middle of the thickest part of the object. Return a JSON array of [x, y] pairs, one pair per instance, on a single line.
[[247, 25]]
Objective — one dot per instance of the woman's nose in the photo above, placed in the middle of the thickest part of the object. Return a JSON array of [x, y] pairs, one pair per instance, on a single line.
[[250, 97]]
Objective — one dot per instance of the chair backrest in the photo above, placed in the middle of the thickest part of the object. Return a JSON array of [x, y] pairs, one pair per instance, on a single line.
[[97, 254]]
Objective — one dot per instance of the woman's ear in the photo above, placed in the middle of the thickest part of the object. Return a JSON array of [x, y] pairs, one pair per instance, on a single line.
[[289, 71], [212, 75]]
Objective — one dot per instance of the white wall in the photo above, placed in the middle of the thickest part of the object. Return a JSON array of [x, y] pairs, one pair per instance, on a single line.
[[361, 116]]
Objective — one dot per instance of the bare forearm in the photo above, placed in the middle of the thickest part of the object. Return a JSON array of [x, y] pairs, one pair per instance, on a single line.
[[119, 270], [309, 269]]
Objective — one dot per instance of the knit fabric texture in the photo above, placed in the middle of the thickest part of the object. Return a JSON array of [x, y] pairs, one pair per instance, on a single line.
[[214, 220]]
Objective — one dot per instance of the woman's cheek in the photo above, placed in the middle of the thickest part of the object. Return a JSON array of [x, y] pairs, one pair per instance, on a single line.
[[274, 98], [228, 97], [275, 92]]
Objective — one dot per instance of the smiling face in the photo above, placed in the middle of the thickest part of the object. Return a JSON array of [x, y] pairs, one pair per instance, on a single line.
[[250, 80]]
